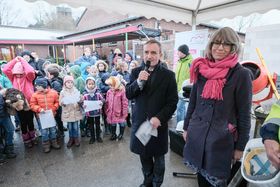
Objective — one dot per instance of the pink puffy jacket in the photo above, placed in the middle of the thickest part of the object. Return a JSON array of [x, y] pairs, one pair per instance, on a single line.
[[23, 83], [116, 106]]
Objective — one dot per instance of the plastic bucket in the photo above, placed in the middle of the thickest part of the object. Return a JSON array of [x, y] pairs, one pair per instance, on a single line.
[[273, 182]]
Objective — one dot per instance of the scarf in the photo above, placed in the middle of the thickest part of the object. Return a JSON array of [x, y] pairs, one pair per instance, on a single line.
[[214, 72], [91, 92]]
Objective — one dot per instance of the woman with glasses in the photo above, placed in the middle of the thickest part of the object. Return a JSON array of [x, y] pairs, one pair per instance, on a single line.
[[217, 123]]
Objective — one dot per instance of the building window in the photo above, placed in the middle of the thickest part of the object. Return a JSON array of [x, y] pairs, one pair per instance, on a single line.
[[5, 53]]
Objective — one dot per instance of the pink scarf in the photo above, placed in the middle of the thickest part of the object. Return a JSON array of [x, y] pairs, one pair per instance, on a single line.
[[215, 73]]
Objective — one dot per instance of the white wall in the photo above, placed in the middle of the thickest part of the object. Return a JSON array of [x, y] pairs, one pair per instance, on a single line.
[[267, 39]]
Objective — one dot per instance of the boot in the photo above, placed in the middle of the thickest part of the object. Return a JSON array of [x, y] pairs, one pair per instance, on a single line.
[[83, 132], [128, 120], [32, 135], [114, 136], [46, 146], [120, 136], [27, 140], [98, 132], [107, 129], [55, 144], [9, 151], [92, 139], [76, 141], [2, 159], [70, 142]]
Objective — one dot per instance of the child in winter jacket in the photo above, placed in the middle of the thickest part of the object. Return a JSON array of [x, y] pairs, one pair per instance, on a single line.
[[42, 100], [116, 106], [92, 93], [56, 83], [70, 99], [21, 74]]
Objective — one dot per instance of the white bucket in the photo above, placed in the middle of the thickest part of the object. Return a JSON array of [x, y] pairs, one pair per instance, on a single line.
[[274, 182]]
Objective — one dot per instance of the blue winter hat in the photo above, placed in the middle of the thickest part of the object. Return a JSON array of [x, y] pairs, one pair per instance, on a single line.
[[43, 82]]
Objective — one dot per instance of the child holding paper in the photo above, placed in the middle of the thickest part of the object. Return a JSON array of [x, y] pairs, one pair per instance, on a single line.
[[116, 106], [92, 93], [70, 99], [43, 101]]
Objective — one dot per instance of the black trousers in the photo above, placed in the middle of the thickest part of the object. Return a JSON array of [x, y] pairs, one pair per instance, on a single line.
[[90, 123], [26, 121], [202, 182], [153, 170]]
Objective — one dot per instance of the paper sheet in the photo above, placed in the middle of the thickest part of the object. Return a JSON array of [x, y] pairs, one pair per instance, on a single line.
[[145, 132], [71, 99], [92, 105], [47, 119]]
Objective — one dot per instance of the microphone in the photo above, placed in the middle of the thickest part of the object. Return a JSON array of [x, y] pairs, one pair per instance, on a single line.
[[147, 66]]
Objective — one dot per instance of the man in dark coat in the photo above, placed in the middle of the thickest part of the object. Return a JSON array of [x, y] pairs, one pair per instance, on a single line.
[[154, 90]]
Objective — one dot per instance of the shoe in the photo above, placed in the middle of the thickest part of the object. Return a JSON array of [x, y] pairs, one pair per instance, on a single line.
[[28, 144], [17, 129], [77, 142], [91, 141], [9, 151], [70, 142], [88, 133], [113, 137], [35, 141], [99, 140], [54, 144], [83, 133], [120, 136], [46, 147], [2, 159], [65, 129]]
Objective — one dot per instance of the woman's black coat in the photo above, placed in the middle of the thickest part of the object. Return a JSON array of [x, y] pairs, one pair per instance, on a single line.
[[210, 144]]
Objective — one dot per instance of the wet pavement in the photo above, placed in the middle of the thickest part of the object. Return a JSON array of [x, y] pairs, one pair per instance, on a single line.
[[107, 164]]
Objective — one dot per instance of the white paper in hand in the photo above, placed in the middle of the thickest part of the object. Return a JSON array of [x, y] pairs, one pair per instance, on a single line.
[[47, 119], [145, 132], [92, 105]]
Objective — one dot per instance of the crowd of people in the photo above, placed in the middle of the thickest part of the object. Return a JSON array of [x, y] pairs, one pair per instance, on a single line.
[[48, 87], [216, 116]]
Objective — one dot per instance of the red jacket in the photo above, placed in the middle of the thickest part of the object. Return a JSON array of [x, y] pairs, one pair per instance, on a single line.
[[44, 100]]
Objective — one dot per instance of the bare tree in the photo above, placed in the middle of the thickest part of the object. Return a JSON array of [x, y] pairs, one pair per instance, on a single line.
[[7, 17], [61, 19], [245, 22]]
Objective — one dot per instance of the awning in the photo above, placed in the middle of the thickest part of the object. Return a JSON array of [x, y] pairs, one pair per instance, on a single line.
[[41, 37], [185, 11]]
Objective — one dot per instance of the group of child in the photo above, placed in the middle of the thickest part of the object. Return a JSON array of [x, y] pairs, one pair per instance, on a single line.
[[65, 99]]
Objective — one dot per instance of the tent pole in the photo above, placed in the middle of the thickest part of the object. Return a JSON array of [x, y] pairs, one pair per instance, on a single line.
[[126, 42], [194, 15]]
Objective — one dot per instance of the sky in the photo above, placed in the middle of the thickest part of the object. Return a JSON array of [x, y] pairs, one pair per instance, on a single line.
[[27, 11]]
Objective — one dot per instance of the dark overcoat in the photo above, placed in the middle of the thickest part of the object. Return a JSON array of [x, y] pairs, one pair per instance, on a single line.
[[157, 99], [210, 143]]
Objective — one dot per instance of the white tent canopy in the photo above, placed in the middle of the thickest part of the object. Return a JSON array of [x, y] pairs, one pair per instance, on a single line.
[[185, 11]]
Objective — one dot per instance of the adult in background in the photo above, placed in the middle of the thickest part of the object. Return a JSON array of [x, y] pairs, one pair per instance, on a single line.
[[219, 108], [155, 94], [86, 57], [182, 74], [270, 133]]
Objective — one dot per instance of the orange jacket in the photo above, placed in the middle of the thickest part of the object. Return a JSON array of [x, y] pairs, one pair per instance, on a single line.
[[44, 100]]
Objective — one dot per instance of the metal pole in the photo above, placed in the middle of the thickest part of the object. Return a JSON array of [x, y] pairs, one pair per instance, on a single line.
[[126, 42]]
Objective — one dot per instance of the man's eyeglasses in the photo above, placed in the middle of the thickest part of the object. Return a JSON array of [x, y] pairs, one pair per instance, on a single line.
[[224, 45]]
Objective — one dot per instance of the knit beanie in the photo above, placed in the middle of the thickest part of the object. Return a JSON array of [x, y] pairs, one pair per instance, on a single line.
[[18, 68], [68, 78], [43, 82], [184, 49], [27, 53], [90, 78]]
